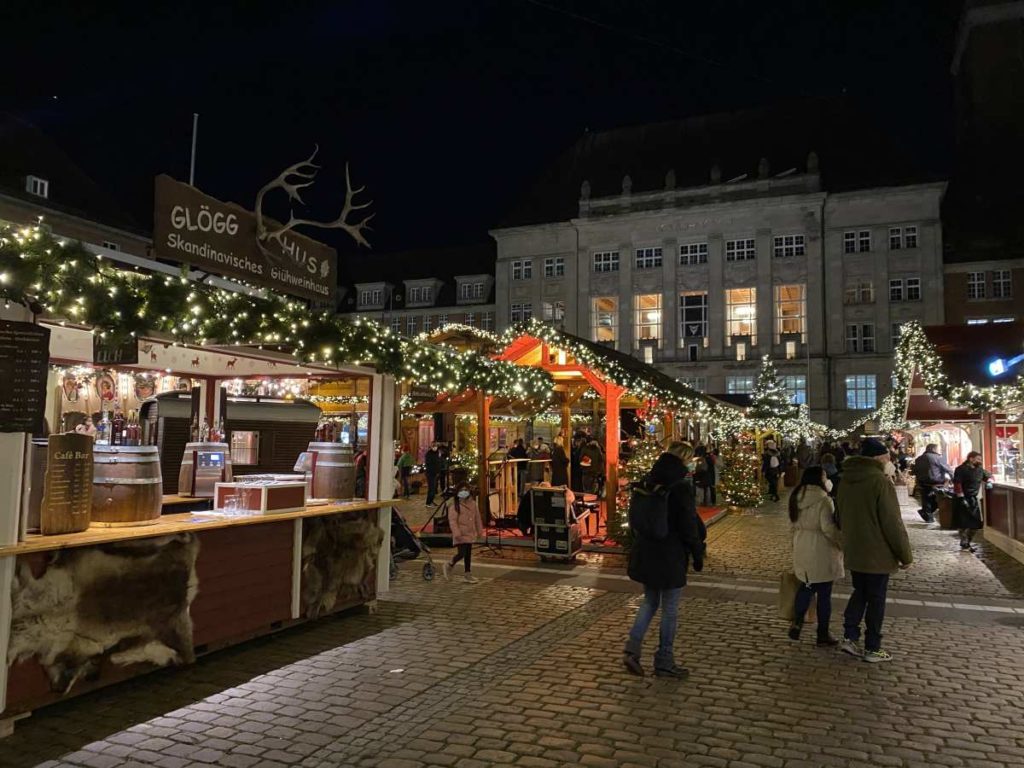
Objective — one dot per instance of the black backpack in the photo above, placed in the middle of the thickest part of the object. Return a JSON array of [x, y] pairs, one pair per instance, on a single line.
[[648, 509]]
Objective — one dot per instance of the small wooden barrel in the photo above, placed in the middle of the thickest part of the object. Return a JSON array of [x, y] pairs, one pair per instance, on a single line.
[[126, 485], [334, 471]]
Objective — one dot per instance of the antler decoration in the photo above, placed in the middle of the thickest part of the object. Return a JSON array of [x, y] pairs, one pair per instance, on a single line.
[[293, 180]]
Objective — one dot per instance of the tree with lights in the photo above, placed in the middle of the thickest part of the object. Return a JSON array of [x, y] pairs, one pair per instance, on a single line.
[[771, 404], [738, 483], [646, 453]]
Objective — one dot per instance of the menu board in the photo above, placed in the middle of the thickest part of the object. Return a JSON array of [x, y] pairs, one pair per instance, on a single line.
[[67, 489], [24, 358]]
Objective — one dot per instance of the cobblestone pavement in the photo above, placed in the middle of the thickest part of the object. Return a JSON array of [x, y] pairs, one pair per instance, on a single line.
[[522, 669]]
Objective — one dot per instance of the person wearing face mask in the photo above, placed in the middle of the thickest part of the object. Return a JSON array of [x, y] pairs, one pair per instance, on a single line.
[[467, 529], [967, 481], [817, 551]]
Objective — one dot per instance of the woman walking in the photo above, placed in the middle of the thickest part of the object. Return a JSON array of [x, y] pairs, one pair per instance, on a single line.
[[817, 552], [660, 564]]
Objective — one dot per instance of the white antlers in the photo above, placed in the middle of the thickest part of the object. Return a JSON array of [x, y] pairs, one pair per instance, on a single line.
[[293, 180]]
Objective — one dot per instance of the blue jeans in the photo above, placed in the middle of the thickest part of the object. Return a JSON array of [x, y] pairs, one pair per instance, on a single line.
[[823, 589], [668, 599], [867, 603]]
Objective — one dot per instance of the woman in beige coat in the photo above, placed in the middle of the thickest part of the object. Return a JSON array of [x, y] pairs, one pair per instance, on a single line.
[[817, 551]]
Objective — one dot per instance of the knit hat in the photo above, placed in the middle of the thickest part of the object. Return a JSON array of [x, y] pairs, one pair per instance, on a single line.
[[872, 447]]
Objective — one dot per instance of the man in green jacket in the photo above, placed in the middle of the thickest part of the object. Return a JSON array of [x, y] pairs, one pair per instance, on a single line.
[[875, 545]]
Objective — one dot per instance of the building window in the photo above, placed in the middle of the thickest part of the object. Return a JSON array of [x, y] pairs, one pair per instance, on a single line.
[[428, 323], [470, 320], [740, 250], [895, 290], [371, 298], [897, 333], [604, 320], [902, 237], [1004, 319], [975, 285], [913, 289], [421, 295], [693, 316], [487, 321], [111, 245], [790, 311], [553, 311], [522, 270], [693, 253], [791, 350], [37, 186], [739, 385], [520, 313], [741, 350], [789, 245], [1002, 286], [977, 321], [858, 241], [647, 318], [860, 337], [410, 325], [471, 290], [696, 383], [861, 392], [741, 314], [796, 387], [554, 267], [910, 237], [442, 321], [860, 293], [648, 258], [396, 324], [606, 261]]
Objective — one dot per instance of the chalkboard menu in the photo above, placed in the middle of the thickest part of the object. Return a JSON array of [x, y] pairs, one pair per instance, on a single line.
[[67, 489], [115, 352], [24, 357]]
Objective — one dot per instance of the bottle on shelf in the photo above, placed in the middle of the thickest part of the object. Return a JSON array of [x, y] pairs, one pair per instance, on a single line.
[[204, 432], [194, 431], [117, 433], [103, 430]]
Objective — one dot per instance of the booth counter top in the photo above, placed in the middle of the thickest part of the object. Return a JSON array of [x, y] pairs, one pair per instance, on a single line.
[[179, 523]]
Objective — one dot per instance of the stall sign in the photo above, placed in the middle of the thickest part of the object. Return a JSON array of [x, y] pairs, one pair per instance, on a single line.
[[221, 238], [25, 358], [67, 489], [422, 394], [114, 352]]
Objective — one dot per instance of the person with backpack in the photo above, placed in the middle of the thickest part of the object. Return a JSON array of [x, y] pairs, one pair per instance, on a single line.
[[668, 535], [817, 551]]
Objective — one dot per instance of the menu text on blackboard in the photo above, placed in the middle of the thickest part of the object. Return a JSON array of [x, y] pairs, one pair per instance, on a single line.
[[24, 358]]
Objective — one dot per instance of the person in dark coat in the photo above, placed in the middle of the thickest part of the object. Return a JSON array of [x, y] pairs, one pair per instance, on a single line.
[[930, 472], [518, 451], [968, 480], [592, 465], [559, 464], [433, 465], [661, 564], [575, 468]]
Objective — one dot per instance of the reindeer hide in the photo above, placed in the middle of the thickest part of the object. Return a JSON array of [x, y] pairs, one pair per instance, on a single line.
[[338, 559]]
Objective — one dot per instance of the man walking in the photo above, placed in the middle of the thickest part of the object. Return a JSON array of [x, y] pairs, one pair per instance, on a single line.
[[967, 482], [875, 545], [432, 465], [930, 471]]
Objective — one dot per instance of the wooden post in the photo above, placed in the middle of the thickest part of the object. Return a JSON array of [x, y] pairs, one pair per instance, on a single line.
[[566, 421], [613, 397], [483, 428], [670, 427], [989, 441]]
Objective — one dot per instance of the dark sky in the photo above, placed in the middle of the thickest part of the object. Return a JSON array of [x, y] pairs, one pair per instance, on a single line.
[[445, 109]]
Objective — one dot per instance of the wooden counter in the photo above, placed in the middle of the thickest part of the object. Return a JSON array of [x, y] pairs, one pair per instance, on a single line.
[[1004, 518], [179, 523]]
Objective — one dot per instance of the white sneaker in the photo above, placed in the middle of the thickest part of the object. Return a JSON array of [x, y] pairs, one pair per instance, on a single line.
[[446, 569], [875, 657], [850, 647], [469, 578]]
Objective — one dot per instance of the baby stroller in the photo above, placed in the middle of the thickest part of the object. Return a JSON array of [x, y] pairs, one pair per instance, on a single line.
[[405, 546]]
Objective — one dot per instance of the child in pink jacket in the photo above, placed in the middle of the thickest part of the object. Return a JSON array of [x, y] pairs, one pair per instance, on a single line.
[[467, 529]]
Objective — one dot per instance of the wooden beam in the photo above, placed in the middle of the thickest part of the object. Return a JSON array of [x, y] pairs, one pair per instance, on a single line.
[[611, 446], [483, 428]]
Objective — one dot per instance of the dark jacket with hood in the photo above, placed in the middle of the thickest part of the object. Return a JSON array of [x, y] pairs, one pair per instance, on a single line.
[[874, 537], [662, 564], [931, 469]]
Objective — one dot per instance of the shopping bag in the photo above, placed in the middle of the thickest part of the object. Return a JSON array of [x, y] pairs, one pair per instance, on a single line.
[[789, 584]]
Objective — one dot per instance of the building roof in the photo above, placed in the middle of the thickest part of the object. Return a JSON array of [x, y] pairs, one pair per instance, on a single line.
[[853, 154], [25, 150]]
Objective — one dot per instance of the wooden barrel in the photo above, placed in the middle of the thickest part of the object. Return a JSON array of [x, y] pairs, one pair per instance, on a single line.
[[126, 485], [334, 471]]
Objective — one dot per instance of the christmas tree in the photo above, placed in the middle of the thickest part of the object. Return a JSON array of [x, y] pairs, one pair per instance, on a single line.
[[636, 468], [737, 482], [771, 404]]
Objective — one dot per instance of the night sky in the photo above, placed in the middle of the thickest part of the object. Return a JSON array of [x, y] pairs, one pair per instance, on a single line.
[[445, 109]]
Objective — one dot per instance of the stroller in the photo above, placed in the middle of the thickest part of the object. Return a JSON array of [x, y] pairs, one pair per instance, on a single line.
[[405, 546]]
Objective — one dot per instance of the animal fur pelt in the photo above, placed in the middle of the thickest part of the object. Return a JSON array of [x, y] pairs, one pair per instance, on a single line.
[[127, 602], [338, 559]]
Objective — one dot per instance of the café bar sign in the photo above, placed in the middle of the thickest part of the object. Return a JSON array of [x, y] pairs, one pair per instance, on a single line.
[[225, 239]]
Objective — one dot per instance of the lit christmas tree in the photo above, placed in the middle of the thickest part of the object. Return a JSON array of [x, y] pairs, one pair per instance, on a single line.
[[737, 482], [771, 405], [639, 464]]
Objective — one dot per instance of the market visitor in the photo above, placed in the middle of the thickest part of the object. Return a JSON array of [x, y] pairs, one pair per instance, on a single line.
[[592, 466], [828, 464], [516, 452], [559, 463], [930, 472], [967, 482], [433, 466], [817, 551], [467, 529], [661, 564], [875, 545], [404, 465], [771, 467]]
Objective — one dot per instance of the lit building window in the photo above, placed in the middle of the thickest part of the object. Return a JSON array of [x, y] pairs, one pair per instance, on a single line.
[[741, 350], [790, 350], [693, 317], [790, 311], [741, 314], [604, 320], [739, 385], [37, 186], [861, 392], [975, 285], [647, 318], [696, 383], [796, 388]]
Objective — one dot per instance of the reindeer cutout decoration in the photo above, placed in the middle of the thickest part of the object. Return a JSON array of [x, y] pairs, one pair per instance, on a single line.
[[231, 363], [195, 362], [293, 180]]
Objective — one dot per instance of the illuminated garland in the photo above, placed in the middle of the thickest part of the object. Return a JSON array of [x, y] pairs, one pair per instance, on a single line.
[[64, 280]]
